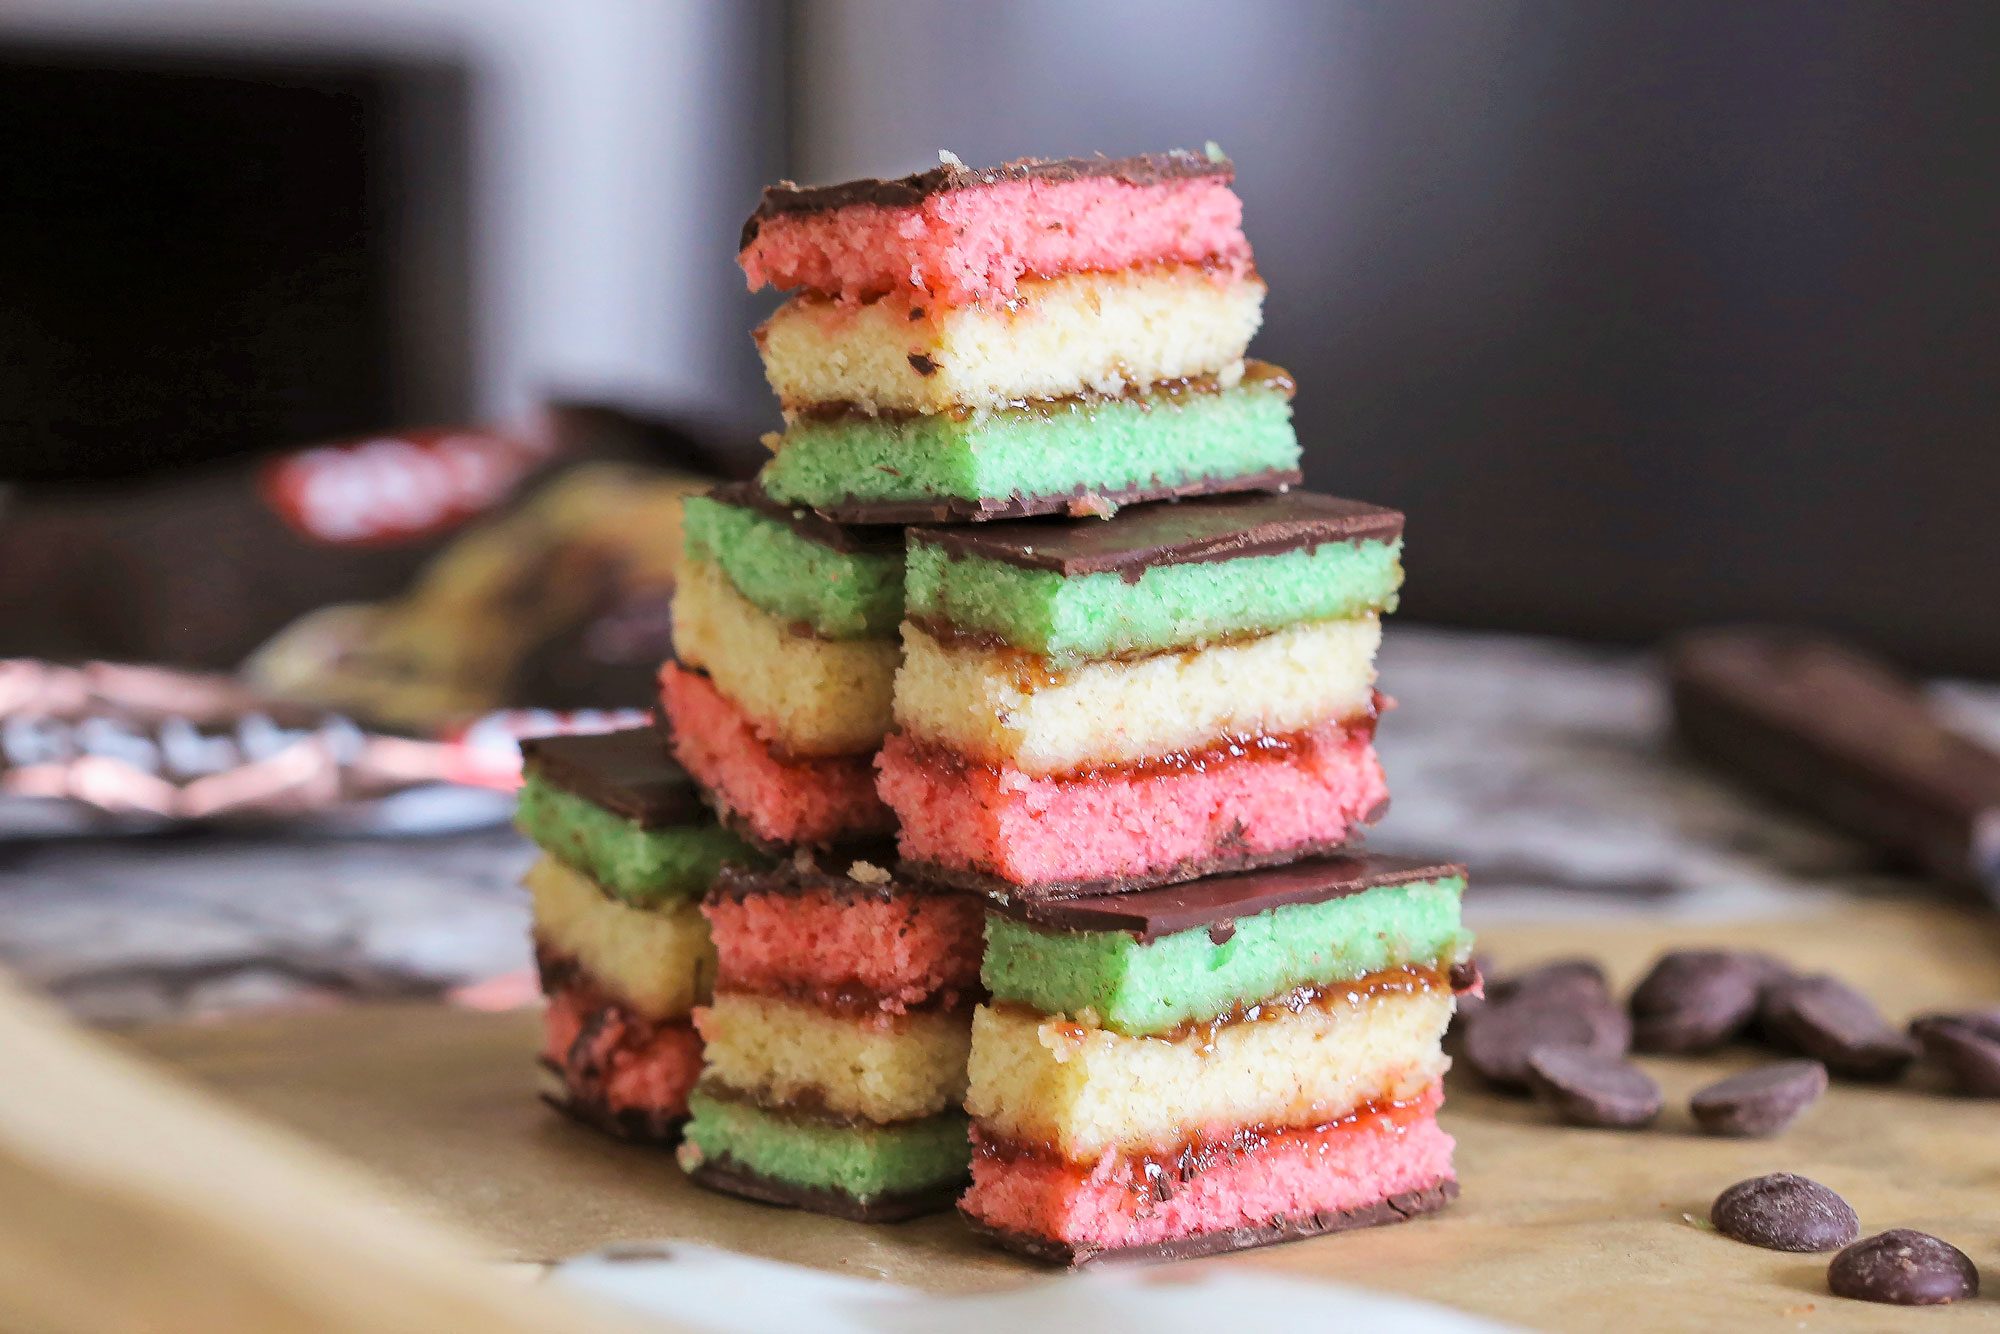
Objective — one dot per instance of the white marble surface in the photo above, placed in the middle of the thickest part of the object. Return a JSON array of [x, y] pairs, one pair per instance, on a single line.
[[1542, 765]]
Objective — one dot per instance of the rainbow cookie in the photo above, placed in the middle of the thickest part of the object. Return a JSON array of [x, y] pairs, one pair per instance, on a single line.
[[1183, 689], [785, 639], [1026, 339], [624, 956], [1218, 1064], [836, 1042]]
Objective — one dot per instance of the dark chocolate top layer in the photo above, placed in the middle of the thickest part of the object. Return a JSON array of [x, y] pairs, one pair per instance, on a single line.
[[905, 191], [852, 541], [628, 773], [804, 871], [1184, 532], [1149, 914]]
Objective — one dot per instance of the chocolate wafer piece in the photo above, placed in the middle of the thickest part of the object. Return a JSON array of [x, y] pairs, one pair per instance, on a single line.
[[1903, 1267], [1761, 1101], [1824, 1018], [1785, 1212], [1588, 1088]]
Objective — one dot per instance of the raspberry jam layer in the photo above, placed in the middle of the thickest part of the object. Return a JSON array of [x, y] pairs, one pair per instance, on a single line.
[[974, 245], [612, 1062], [783, 802], [1132, 824], [1247, 1178]]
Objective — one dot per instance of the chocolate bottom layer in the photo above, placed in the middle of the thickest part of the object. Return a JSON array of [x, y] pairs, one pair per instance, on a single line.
[[720, 1174], [994, 887], [1078, 502], [1395, 1209], [659, 1130]]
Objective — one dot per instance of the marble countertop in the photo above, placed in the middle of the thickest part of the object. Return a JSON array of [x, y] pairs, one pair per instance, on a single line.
[[1542, 765]]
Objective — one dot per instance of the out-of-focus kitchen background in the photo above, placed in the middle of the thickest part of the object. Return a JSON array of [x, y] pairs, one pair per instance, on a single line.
[[1650, 316]]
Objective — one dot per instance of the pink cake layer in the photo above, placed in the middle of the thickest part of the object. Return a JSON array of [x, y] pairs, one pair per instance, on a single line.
[[1121, 824], [974, 245], [1292, 1174], [843, 949], [624, 1063], [813, 802]]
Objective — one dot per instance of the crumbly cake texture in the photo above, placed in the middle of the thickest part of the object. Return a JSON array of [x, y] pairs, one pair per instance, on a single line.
[[644, 867], [1226, 1063], [657, 961], [960, 235], [777, 802], [837, 1039], [1000, 707], [1072, 455], [1069, 618], [1140, 987], [806, 697], [1002, 832], [798, 571], [1086, 333]]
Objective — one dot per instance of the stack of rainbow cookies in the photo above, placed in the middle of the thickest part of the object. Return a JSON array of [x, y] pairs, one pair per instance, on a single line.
[[1043, 704]]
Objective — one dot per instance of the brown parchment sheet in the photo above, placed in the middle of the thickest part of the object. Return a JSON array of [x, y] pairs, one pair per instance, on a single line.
[[1557, 1228]]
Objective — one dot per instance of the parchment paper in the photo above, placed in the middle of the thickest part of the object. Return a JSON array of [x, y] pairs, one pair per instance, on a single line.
[[1557, 1228]]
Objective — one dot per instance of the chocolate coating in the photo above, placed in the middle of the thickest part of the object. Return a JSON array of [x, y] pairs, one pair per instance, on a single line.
[[987, 509], [720, 1174], [1220, 901], [1395, 1209], [812, 527], [628, 773], [1184, 532], [1147, 169], [804, 871]]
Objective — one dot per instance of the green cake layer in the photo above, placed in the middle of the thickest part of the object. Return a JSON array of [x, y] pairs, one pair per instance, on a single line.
[[865, 1161], [641, 866], [839, 594], [1139, 988], [1168, 607], [1162, 440]]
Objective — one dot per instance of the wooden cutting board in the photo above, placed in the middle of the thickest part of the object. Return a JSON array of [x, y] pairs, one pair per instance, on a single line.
[[1557, 1228]]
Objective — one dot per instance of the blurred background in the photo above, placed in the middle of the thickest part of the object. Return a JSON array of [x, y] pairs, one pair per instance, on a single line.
[[1649, 314]]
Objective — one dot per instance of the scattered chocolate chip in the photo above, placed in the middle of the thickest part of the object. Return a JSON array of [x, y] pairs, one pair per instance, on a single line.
[[1588, 1088], [1559, 977], [1783, 1212], [1761, 1101], [1824, 1018], [923, 365], [1903, 1268], [1695, 1000], [1966, 1048], [1500, 1036]]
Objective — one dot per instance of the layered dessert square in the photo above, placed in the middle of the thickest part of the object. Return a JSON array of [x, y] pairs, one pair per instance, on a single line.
[[1032, 338], [1218, 1064], [629, 850], [1093, 705], [785, 640], [836, 1041]]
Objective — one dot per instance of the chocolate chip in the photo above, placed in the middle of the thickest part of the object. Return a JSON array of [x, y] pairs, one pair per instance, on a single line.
[[1500, 1036], [1695, 1000], [1984, 1022], [1588, 1088], [1903, 1268], [1783, 1212], [1560, 977], [1824, 1018], [1966, 1048], [923, 365], [1759, 1102]]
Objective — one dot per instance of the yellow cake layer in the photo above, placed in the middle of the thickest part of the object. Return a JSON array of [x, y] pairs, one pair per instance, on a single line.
[[882, 1067], [999, 706], [1086, 1090], [1083, 333], [658, 961], [806, 696]]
